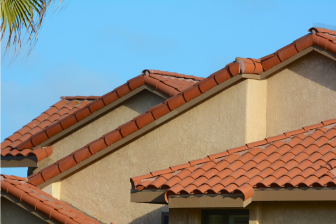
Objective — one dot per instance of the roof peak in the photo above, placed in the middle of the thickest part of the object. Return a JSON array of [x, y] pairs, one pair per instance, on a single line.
[[171, 74], [79, 97]]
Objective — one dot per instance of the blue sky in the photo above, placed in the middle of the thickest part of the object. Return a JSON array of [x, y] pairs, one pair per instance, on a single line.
[[89, 49]]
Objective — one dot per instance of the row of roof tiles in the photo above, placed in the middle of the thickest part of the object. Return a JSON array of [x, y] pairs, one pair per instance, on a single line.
[[300, 158], [177, 99], [46, 120], [42, 202], [70, 110]]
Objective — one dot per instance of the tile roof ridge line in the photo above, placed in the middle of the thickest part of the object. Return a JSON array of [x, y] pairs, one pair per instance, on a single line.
[[79, 97], [162, 82], [172, 74], [315, 30]]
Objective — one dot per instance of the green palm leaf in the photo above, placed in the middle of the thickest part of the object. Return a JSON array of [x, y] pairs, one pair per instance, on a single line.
[[22, 14]]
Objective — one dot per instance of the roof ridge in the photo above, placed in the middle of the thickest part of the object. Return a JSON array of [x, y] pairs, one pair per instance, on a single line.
[[79, 97], [172, 74]]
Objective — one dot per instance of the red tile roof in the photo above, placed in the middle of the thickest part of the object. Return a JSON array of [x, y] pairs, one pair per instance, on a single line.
[[42, 202], [179, 98], [300, 158], [70, 110], [47, 119]]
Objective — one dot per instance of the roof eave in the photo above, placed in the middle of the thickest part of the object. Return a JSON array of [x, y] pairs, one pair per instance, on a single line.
[[153, 196], [29, 161]]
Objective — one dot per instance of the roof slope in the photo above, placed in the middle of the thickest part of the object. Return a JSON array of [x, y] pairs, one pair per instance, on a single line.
[[62, 109], [70, 110], [300, 158], [232, 69], [42, 202]]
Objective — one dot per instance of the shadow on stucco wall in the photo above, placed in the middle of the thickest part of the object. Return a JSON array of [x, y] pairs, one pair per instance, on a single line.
[[151, 217], [143, 101]]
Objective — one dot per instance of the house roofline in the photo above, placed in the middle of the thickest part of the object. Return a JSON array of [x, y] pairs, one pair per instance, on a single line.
[[207, 88]]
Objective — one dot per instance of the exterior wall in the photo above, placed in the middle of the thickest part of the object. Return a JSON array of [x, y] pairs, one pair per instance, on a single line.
[[14, 214], [299, 212], [103, 188], [269, 213], [131, 108], [256, 110], [302, 94]]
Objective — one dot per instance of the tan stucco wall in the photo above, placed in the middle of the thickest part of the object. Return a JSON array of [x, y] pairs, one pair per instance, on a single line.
[[103, 188], [256, 110], [302, 94], [269, 213], [14, 214], [131, 108], [298, 212]]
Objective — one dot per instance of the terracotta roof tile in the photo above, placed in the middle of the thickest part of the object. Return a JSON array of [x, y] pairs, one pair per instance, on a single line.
[[40, 201], [302, 161]]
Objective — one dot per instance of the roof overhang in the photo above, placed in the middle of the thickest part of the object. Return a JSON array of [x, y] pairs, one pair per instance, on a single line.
[[29, 161], [27, 208], [234, 200]]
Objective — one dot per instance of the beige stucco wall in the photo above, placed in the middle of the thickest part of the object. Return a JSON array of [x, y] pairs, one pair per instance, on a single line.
[[131, 108], [256, 110], [269, 213], [103, 188], [14, 214], [302, 94]]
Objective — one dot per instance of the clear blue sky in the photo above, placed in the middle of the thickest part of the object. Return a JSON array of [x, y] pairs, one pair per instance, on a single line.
[[89, 48]]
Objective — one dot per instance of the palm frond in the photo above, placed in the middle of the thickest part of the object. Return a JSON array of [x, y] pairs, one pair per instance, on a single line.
[[22, 14]]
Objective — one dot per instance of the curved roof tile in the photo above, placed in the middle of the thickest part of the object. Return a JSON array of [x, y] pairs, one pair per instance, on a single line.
[[282, 162], [42, 202]]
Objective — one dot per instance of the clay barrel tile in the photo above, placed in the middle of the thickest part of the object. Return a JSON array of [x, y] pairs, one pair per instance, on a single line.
[[143, 119], [112, 137], [53, 129], [123, 90], [136, 82], [96, 105], [191, 92]]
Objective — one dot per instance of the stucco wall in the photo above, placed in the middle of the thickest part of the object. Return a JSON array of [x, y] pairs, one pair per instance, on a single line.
[[131, 108], [14, 214], [256, 110], [269, 213], [302, 94], [298, 212], [103, 188]]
